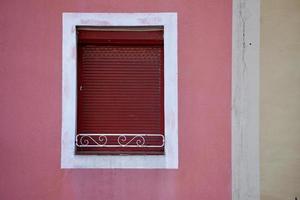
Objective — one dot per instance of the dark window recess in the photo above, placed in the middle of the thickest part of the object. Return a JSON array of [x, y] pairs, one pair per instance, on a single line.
[[120, 91]]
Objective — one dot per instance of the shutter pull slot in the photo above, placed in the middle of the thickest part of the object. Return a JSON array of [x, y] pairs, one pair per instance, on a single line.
[[80, 88]]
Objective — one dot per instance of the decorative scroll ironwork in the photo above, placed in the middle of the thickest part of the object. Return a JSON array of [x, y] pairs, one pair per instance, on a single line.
[[118, 140]]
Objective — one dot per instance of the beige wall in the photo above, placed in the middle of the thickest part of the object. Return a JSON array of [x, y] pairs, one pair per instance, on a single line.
[[280, 99]]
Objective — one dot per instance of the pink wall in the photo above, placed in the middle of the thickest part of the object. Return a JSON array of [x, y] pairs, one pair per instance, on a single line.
[[30, 105]]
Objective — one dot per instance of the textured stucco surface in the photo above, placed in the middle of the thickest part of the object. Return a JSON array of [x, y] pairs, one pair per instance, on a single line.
[[280, 99], [30, 105]]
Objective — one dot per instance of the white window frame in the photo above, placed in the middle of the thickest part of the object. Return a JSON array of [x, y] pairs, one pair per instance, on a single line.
[[68, 157]]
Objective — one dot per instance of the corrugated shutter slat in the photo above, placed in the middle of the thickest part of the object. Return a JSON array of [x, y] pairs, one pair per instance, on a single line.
[[120, 90]]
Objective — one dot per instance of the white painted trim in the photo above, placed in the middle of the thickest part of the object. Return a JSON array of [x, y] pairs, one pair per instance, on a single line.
[[68, 158], [245, 100]]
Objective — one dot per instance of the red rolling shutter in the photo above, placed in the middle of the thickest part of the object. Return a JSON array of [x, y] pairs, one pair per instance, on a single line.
[[120, 104]]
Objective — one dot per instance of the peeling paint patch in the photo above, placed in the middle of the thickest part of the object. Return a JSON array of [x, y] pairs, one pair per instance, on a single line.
[[66, 90], [74, 53], [95, 22], [152, 20]]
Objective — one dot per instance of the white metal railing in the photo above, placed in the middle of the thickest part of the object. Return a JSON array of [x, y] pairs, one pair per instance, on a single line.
[[121, 140]]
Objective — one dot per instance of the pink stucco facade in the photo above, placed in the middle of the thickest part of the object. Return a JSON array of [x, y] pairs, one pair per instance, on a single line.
[[30, 105]]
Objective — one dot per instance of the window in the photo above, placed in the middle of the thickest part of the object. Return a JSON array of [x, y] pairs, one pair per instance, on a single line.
[[120, 104], [127, 104]]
